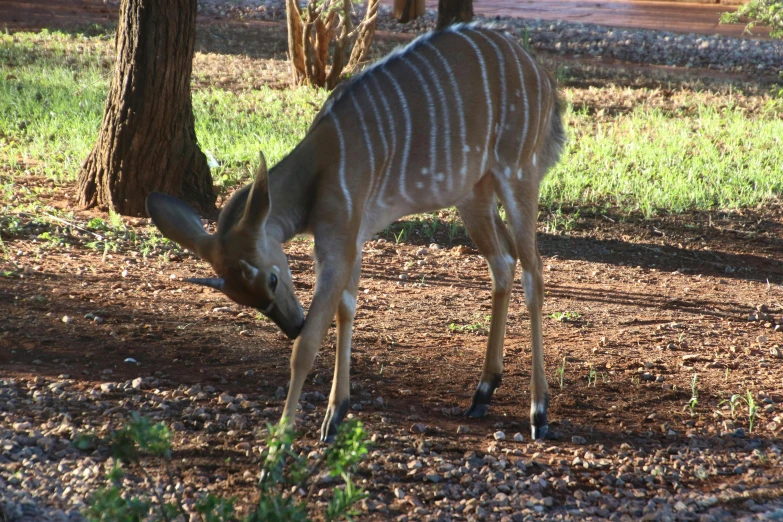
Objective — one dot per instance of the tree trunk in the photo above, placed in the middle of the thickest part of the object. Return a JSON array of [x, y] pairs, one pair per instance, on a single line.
[[407, 10], [454, 11], [147, 140]]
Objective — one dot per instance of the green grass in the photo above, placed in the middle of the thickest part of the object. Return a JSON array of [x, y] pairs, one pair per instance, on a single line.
[[51, 108], [648, 161], [235, 127], [53, 86]]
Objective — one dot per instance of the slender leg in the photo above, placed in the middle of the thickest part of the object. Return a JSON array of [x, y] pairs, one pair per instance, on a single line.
[[487, 230], [339, 399], [334, 266], [521, 204]]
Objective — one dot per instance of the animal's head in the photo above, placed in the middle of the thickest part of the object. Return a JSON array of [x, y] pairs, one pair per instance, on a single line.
[[251, 267]]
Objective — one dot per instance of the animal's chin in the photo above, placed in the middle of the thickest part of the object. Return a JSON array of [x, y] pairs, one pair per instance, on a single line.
[[290, 329]]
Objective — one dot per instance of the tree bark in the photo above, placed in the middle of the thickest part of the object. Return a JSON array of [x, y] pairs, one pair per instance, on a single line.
[[407, 10], [147, 140], [454, 11]]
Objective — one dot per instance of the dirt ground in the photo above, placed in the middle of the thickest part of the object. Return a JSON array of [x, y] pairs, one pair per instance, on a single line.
[[634, 308]]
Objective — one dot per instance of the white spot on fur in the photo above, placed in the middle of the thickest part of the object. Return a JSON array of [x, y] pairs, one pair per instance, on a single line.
[[425, 171], [466, 148], [483, 387], [534, 159], [519, 174], [529, 286], [349, 301], [513, 107], [440, 176], [507, 172], [419, 184], [509, 259]]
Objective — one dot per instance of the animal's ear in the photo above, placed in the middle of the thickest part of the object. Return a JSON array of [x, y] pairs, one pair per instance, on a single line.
[[258, 204], [179, 222]]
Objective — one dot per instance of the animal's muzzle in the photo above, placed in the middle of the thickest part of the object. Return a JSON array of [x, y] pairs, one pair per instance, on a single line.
[[290, 328]]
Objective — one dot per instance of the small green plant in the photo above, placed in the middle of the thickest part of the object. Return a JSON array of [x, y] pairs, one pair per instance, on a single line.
[[477, 327], [592, 377], [557, 222], [736, 399], [284, 476], [732, 402], [752, 410], [565, 317], [694, 400], [560, 373], [456, 228]]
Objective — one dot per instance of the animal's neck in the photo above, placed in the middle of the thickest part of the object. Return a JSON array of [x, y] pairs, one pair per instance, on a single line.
[[291, 190]]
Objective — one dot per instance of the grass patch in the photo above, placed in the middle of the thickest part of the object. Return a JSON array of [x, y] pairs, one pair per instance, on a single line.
[[706, 152], [53, 94], [648, 160]]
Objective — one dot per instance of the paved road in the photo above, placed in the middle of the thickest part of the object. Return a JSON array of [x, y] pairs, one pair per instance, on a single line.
[[671, 16]]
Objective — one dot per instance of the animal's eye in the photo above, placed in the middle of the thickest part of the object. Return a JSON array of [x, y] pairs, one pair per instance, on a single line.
[[272, 282]]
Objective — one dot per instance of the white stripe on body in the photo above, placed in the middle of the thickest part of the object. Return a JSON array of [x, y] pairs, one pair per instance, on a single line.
[[433, 128], [524, 98], [377, 176], [407, 146], [455, 88], [486, 91], [367, 141], [538, 84], [503, 101], [343, 186], [393, 133], [444, 114]]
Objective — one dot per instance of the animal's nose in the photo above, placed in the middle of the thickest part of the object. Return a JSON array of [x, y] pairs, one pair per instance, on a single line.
[[293, 331]]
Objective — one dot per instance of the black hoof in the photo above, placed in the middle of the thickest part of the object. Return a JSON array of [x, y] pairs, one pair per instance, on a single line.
[[482, 398], [334, 416], [539, 432], [539, 426], [476, 410]]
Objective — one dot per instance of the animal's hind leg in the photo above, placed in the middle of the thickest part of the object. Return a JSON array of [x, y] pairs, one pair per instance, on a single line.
[[520, 199], [487, 230]]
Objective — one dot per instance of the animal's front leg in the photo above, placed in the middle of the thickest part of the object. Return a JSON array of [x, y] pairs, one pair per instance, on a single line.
[[339, 399], [333, 275]]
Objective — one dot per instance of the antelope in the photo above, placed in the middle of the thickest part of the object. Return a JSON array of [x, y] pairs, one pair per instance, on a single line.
[[462, 117]]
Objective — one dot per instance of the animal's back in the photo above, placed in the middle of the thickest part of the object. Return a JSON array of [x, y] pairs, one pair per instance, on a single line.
[[418, 129]]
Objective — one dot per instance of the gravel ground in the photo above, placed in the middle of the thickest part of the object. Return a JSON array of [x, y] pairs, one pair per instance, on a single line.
[[629, 45], [417, 468]]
